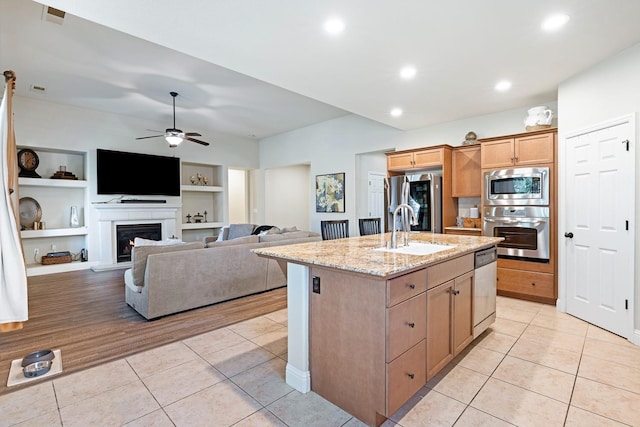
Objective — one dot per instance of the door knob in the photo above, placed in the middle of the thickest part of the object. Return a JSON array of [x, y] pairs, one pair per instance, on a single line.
[[569, 235]]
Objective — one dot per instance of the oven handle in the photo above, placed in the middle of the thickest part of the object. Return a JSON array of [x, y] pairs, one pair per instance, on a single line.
[[516, 221]]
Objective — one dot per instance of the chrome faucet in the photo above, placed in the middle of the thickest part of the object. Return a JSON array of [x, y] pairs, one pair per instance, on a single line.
[[406, 224]]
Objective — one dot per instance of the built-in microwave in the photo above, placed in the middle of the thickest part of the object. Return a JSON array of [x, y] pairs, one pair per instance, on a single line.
[[521, 186]]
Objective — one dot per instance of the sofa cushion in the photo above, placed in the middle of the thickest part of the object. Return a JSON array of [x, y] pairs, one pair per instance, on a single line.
[[140, 253], [289, 229], [238, 241], [284, 236], [240, 230]]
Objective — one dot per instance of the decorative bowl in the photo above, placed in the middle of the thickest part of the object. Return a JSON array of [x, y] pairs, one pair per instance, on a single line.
[[38, 356], [38, 368]]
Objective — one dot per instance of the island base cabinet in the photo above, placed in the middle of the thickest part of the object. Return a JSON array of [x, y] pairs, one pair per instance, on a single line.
[[405, 376], [449, 321], [439, 333], [347, 343]]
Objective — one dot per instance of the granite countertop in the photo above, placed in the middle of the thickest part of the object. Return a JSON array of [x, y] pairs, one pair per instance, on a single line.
[[357, 254]]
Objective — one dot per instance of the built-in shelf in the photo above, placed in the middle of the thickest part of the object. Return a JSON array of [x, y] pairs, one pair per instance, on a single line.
[[201, 225], [203, 188], [54, 232], [39, 269], [46, 182]]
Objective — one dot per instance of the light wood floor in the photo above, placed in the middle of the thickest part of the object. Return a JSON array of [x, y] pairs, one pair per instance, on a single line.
[[84, 314]]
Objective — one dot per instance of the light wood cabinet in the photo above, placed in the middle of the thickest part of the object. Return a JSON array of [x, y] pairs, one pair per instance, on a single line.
[[449, 321], [539, 286], [466, 170], [520, 151], [415, 159], [463, 231]]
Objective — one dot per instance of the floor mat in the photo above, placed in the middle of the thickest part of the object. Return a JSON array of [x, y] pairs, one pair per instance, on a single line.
[[17, 377]]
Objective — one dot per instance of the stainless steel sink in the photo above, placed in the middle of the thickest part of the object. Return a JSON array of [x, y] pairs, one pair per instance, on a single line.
[[418, 248]]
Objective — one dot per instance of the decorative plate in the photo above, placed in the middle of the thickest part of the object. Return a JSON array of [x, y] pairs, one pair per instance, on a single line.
[[30, 212]]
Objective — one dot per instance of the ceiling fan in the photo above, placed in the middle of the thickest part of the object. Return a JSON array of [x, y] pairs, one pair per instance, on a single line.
[[175, 136]]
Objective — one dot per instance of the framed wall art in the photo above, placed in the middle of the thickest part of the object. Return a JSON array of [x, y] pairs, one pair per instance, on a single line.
[[330, 192]]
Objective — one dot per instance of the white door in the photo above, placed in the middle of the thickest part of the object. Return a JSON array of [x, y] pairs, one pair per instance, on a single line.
[[376, 195], [599, 236]]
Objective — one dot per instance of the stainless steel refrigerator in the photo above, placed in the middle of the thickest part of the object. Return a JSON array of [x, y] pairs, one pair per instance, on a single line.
[[424, 197]]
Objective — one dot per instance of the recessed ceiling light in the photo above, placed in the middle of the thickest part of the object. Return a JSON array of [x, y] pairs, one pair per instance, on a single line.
[[396, 112], [334, 26], [503, 86], [555, 22], [408, 72]]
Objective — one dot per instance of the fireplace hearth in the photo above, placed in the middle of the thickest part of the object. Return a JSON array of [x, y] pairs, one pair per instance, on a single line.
[[126, 234]]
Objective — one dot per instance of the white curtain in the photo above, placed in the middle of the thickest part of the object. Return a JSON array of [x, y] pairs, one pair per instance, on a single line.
[[13, 277]]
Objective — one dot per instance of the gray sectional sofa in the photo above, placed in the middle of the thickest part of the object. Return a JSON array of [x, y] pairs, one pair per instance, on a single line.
[[166, 279]]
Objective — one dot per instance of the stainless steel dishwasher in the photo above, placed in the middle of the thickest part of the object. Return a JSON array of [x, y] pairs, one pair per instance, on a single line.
[[484, 291]]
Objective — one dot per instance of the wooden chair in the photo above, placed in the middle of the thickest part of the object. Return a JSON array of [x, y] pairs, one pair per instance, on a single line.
[[369, 226], [337, 229]]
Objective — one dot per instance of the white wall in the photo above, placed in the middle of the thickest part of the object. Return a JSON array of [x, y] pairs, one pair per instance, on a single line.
[[606, 91], [332, 146], [365, 163], [287, 192], [238, 196]]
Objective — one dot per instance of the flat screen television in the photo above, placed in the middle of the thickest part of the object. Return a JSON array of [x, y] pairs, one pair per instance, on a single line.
[[126, 173]]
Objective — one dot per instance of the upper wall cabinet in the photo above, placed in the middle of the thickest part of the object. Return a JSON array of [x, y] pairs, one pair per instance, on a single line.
[[415, 159], [518, 151], [466, 181]]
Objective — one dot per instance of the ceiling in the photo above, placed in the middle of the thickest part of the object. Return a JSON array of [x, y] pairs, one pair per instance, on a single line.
[[251, 69]]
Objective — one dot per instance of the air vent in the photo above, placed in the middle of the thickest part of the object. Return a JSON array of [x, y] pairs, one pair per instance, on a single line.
[[52, 14], [38, 89]]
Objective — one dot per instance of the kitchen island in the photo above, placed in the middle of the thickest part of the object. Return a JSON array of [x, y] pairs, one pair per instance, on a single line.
[[369, 326]]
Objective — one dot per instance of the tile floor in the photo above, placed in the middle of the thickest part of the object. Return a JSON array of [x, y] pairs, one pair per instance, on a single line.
[[534, 367]]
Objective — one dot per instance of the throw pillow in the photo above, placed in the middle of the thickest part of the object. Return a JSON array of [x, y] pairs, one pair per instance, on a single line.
[[261, 228], [224, 234], [289, 229], [273, 230], [139, 241], [240, 230]]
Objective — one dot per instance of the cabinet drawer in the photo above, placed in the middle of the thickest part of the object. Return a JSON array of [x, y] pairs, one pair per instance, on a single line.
[[526, 282], [407, 286], [406, 325], [405, 376], [448, 270]]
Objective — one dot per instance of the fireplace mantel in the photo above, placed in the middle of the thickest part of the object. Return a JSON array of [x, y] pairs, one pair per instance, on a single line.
[[109, 215]]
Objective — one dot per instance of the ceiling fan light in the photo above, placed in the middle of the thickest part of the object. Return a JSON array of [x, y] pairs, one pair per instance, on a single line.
[[173, 140]]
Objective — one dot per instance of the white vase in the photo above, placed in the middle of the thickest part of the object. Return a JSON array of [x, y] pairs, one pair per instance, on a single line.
[[74, 219]]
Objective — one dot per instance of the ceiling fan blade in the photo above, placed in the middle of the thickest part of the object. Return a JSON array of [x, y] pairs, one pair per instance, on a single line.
[[192, 134], [152, 136], [196, 140]]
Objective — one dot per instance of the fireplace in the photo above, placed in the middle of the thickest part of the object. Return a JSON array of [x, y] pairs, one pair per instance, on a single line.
[[126, 233]]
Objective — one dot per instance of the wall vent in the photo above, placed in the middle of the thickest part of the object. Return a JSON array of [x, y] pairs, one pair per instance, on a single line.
[[52, 14]]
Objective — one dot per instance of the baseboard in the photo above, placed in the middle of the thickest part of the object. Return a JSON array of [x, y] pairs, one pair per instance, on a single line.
[[300, 380]]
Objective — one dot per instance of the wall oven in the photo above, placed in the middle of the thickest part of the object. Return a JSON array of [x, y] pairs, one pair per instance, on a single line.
[[520, 186], [525, 230]]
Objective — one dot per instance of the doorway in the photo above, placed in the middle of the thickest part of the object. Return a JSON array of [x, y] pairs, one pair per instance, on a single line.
[[599, 225]]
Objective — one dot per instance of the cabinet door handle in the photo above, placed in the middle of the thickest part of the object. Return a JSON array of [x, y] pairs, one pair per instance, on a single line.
[[516, 158], [533, 283], [454, 292], [411, 324], [411, 376], [412, 286]]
